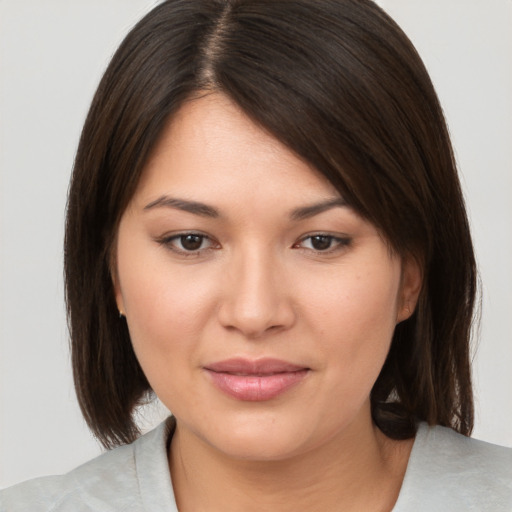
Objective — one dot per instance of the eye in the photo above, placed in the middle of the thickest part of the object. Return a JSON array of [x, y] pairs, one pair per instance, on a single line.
[[322, 243], [188, 243]]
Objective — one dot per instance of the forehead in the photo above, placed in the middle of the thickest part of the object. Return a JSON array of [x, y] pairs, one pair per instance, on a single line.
[[211, 148]]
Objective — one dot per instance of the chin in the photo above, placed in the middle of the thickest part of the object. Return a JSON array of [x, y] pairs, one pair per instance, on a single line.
[[259, 437], [261, 448]]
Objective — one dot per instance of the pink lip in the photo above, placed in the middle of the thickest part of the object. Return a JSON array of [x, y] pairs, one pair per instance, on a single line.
[[255, 380]]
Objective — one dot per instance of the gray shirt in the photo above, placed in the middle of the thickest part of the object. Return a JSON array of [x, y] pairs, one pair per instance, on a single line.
[[446, 472]]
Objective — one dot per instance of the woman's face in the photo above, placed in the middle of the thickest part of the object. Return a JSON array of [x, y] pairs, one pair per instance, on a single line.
[[260, 306]]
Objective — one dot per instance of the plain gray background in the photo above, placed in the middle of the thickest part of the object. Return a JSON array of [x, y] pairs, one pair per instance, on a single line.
[[52, 54]]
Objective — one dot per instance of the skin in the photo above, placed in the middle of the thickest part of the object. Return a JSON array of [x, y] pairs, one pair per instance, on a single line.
[[260, 286]]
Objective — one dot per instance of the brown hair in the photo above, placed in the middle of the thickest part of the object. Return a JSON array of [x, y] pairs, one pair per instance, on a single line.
[[339, 83]]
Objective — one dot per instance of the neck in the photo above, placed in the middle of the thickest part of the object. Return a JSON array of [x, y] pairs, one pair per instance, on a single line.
[[359, 469]]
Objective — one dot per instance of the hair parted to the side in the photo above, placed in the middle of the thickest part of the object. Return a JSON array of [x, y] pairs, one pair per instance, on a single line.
[[341, 85]]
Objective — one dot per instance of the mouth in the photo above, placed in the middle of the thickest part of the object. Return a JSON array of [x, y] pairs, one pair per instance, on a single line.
[[255, 380]]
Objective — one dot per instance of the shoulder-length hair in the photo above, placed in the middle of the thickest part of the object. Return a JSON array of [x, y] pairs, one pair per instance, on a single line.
[[340, 84]]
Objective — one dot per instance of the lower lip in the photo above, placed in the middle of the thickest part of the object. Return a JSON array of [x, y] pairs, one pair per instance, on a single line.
[[256, 388]]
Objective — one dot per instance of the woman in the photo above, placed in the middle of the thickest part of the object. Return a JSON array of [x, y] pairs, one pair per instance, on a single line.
[[265, 229]]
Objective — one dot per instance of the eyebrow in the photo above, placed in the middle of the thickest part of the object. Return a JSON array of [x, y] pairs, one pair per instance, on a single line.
[[306, 212], [182, 204], [204, 210]]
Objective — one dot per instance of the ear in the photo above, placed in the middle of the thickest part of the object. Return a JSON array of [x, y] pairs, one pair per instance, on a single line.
[[410, 287], [115, 283], [118, 296]]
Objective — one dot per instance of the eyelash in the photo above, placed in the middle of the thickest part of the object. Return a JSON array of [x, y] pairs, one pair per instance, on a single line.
[[340, 243], [169, 242]]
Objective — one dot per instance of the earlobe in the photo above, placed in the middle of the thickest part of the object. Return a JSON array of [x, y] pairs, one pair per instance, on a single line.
[[411, 283], [118, 296], [117, 289], [119, 300]]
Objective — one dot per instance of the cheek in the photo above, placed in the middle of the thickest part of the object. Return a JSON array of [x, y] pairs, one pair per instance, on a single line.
[[166, 309], [358, 302], [356, 321], [165, 326], [162, 310]]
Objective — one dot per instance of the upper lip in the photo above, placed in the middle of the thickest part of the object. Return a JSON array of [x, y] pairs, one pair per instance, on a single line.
[[264, 366]]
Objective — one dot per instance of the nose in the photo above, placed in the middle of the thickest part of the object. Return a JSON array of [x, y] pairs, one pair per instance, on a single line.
[[256, 299]]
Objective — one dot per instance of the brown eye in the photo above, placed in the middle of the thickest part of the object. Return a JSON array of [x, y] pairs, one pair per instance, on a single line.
[[321, 242], [191, 242], [188, 244]]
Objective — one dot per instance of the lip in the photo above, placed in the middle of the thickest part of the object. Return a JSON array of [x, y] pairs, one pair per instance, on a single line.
[[255, 380]]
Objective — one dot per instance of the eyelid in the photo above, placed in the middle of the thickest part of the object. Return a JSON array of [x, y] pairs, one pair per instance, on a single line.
[[167, 239], [341, 242]]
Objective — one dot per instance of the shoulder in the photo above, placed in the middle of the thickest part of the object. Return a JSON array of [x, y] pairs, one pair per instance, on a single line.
[[449, 471], [96, 485], [108, 483]]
